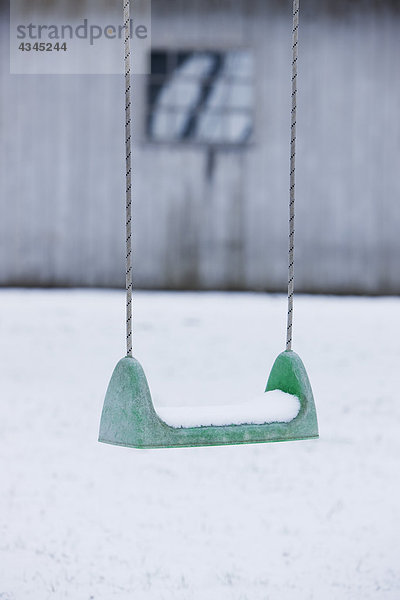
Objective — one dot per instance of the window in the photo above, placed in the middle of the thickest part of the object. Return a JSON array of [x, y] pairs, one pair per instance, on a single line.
[[200, 96]]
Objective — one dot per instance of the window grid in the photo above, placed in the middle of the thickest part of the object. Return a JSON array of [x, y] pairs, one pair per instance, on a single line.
[[210, 106]]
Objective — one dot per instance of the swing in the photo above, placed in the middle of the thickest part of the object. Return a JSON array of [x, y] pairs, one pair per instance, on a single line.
[[129, 418]]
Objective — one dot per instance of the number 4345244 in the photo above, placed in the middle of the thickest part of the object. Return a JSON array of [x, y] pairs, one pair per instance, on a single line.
[[42, 47]]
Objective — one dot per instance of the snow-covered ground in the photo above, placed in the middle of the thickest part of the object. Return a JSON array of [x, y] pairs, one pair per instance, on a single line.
[[293, 521]]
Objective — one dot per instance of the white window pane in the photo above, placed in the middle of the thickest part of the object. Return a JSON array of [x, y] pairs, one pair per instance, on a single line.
[[230, 94], [238, 63], [168, 125], [198, 65], [238, 127]]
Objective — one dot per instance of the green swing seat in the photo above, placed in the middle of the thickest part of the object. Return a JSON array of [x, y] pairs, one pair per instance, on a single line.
[[129, 418]]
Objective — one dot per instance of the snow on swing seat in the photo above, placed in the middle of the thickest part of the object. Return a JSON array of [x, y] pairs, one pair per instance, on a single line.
[[269, 407]]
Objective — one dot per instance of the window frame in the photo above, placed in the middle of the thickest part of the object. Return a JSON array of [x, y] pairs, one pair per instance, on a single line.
[[172, 63]]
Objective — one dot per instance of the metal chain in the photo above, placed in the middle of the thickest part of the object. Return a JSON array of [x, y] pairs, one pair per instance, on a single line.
[[129, 282], [128, 150], [292, 176]]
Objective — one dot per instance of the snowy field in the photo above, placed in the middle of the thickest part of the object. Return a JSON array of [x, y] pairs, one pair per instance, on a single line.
[[81, 520]]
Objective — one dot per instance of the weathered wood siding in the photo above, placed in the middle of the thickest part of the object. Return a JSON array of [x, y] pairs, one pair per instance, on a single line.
[[213, 220]]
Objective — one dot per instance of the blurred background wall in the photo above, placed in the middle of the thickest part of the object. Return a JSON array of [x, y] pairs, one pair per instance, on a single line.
[[211, 157]]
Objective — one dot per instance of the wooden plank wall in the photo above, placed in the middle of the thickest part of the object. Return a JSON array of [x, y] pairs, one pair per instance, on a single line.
[[62, 180]]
